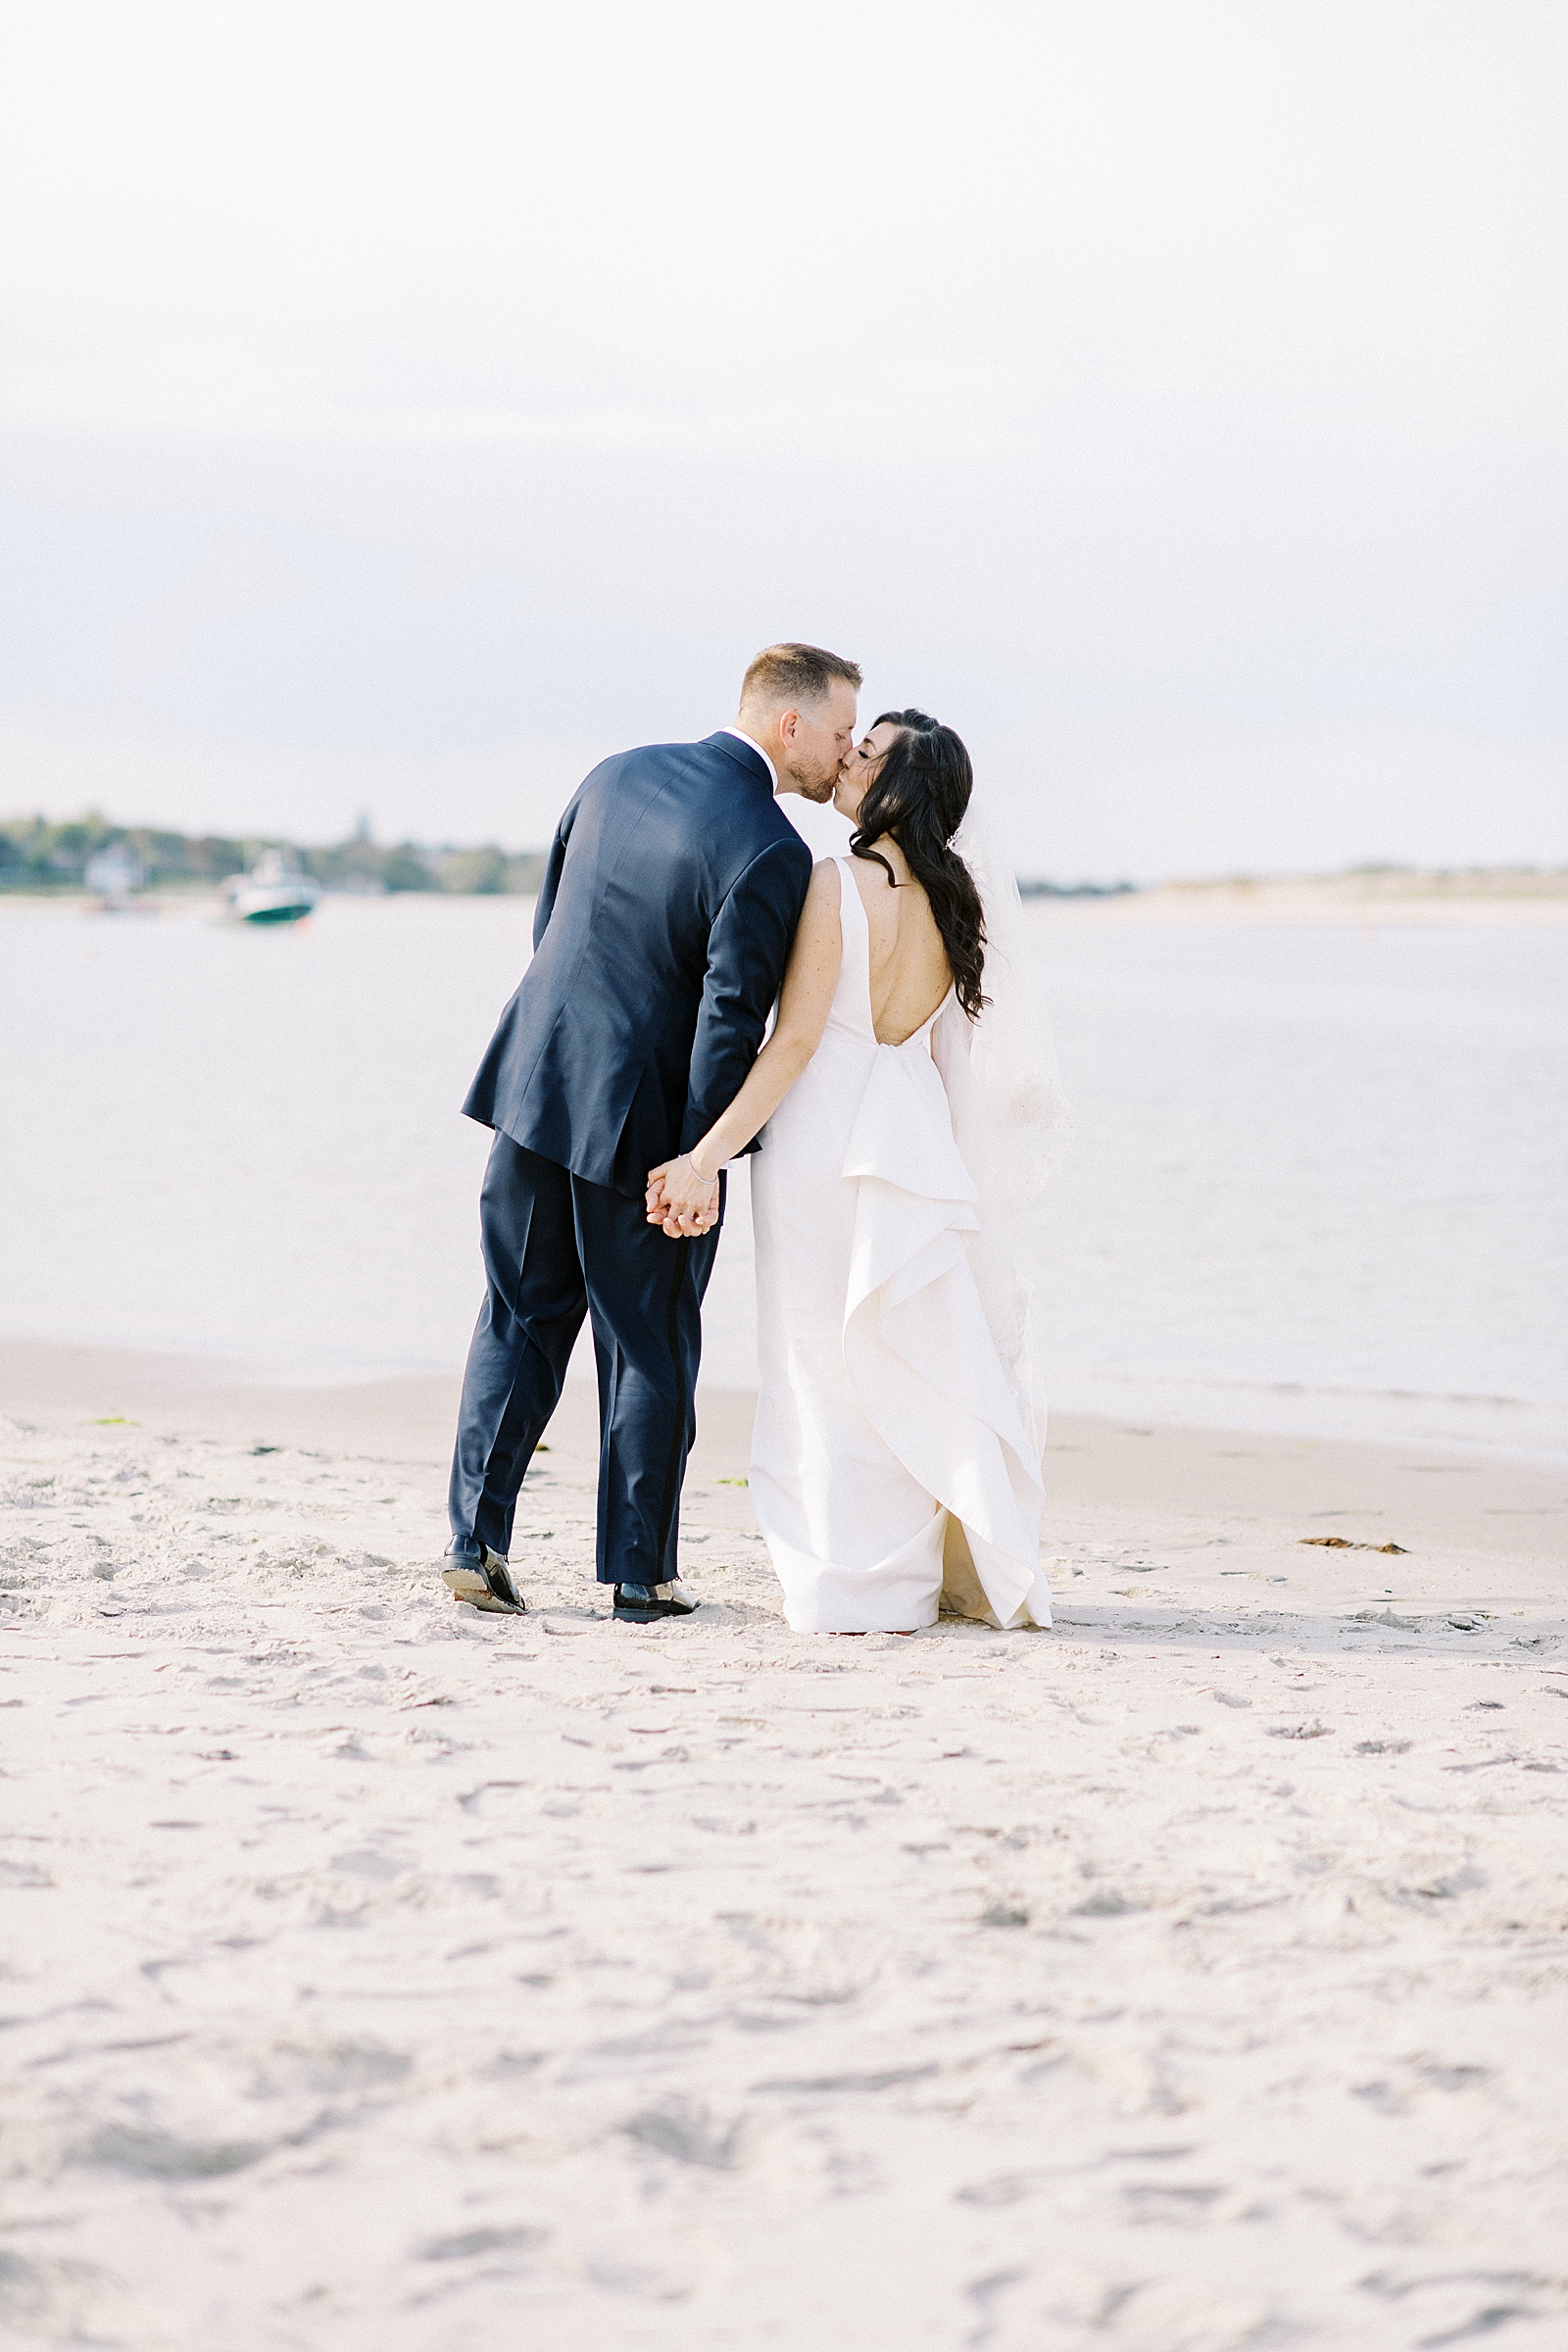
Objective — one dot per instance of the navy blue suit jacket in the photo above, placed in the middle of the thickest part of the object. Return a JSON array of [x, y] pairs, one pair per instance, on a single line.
[[669, 901]]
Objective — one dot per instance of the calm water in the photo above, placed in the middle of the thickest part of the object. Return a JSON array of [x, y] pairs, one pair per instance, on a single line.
[[1318, 1181]]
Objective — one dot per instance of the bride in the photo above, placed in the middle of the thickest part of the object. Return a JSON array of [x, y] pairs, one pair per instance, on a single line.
[[897, 1439]]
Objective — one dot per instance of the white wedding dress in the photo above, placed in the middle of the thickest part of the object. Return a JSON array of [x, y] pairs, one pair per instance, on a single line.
[[894, 1420]]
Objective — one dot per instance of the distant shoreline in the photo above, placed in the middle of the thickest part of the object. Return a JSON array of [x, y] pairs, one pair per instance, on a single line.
[[1501, 898], [40, 859], [1508, 897], [56, 860]]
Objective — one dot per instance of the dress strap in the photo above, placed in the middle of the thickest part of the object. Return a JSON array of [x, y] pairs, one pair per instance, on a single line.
[[854, 929], [850, 888]]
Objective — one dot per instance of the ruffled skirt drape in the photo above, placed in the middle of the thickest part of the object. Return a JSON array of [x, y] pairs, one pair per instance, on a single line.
[[888, 1432]]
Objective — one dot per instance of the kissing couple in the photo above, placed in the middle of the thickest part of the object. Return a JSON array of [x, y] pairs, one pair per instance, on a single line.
[[900, 1111]]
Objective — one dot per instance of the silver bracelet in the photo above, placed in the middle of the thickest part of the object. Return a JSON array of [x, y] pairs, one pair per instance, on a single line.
[[697, 1171]]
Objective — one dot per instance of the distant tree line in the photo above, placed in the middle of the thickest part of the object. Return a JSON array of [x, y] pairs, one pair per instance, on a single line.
[[37, 855]]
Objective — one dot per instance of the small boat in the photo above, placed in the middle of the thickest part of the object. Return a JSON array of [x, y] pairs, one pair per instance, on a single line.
[[114, 876], [271, 893]]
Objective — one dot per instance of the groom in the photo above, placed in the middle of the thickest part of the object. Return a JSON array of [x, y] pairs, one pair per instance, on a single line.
[[671, 894]]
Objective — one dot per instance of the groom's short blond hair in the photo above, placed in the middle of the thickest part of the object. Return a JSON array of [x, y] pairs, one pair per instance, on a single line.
[[796, 673]]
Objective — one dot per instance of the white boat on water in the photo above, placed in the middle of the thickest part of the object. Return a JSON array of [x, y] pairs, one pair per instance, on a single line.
[[114, 876], [271, 893]]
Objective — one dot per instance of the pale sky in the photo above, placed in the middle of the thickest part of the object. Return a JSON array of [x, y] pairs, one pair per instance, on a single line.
[[403, 406]]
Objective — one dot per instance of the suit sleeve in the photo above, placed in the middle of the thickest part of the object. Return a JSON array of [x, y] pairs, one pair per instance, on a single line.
[[748, 947]]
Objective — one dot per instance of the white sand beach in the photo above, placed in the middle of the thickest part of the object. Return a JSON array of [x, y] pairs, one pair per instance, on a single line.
[[1187, 1979]]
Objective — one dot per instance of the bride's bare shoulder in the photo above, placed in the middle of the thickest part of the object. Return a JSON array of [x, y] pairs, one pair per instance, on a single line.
[[819, 916], [816, 953]]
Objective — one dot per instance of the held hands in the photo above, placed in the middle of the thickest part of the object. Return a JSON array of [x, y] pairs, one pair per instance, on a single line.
[[681, 1199]]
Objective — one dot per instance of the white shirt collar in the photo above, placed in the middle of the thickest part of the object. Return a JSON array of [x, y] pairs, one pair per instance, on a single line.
[[741, 737]]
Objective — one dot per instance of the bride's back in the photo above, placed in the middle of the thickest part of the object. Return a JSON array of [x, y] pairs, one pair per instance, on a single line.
[[910, 969]]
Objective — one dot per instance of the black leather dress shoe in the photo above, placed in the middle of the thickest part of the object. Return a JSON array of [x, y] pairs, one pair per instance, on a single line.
[[483, 1579], [645, 1604]]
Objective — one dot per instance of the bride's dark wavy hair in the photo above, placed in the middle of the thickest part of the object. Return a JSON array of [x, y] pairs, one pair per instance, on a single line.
[[918, 798]]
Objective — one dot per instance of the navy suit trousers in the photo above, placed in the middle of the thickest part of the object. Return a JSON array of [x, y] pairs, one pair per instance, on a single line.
[[556, 1248]]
